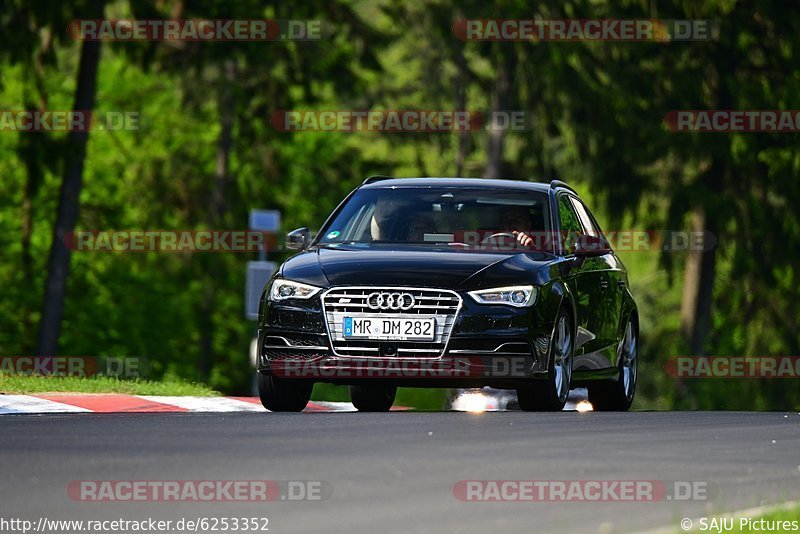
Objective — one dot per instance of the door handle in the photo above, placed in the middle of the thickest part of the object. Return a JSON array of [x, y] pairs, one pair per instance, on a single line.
[[603, 284], [621, 283]]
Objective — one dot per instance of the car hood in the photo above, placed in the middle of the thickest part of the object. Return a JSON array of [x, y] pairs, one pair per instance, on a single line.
[[413, 266]]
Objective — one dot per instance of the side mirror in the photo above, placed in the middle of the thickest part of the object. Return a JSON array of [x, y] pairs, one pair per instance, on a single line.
[[298, 239], [590, 245]]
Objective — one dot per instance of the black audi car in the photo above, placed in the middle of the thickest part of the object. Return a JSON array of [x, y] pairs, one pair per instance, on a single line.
[[451, 282]]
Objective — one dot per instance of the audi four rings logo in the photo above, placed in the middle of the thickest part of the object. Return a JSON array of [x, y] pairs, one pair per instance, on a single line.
[[390, 301]]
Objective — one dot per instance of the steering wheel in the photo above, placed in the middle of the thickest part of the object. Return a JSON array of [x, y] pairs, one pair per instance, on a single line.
[[499, 234]]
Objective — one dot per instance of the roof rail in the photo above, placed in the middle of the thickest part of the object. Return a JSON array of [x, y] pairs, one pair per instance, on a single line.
[[559, 183], [376, 178]]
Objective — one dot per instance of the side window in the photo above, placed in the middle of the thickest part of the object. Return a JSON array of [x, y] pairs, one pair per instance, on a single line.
[[570, 224], [586, 220]]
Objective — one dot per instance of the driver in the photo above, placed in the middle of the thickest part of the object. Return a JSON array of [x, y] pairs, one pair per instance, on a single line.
[[517, 220]]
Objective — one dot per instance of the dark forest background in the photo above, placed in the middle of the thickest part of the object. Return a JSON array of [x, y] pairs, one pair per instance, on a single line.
[[205, 154]]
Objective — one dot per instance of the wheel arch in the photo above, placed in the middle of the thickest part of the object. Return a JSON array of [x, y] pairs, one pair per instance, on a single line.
[[566, 299], [629, 311]]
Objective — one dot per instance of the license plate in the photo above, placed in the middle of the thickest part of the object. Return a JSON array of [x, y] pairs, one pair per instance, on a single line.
[[400, 329]]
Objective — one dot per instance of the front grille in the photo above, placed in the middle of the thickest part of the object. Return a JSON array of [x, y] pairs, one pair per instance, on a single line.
[[339, 303]]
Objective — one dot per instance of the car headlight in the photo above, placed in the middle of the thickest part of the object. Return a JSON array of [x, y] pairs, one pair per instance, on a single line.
[[288, 289], [519, 296]]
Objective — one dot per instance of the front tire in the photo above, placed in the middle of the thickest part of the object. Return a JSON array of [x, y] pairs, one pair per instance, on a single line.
[[373, 398], [617, 395], [282, 394], [551, 395]]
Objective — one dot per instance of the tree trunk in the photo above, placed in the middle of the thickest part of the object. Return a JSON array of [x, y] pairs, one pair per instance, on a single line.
[[33, 151], [700, 273], [461, 105], [698, 288], [68, 206], [221, 174], [216, 214], [501, 97]]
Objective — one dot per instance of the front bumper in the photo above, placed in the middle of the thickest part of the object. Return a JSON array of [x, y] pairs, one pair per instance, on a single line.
[[481, 345]]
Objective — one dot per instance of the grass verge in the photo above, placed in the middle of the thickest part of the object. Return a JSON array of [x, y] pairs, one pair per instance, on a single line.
[[24, 384], [773, 521]]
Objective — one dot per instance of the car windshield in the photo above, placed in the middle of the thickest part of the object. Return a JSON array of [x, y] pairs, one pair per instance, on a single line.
[[473, 218]]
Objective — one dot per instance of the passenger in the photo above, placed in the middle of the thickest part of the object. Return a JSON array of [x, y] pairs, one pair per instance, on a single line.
[[384, 219]]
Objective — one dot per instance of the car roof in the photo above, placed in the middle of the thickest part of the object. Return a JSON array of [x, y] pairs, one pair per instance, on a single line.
[[386, 182]]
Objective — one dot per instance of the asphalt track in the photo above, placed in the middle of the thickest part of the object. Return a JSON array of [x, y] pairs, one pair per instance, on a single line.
[[395, 472]]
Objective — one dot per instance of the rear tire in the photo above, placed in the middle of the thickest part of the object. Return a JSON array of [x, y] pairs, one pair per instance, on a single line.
[[617, 395], [551, 395], [282, 394], [373, 398]]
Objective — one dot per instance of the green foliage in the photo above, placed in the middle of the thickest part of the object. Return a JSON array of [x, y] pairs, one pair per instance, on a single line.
[[22, 384]]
